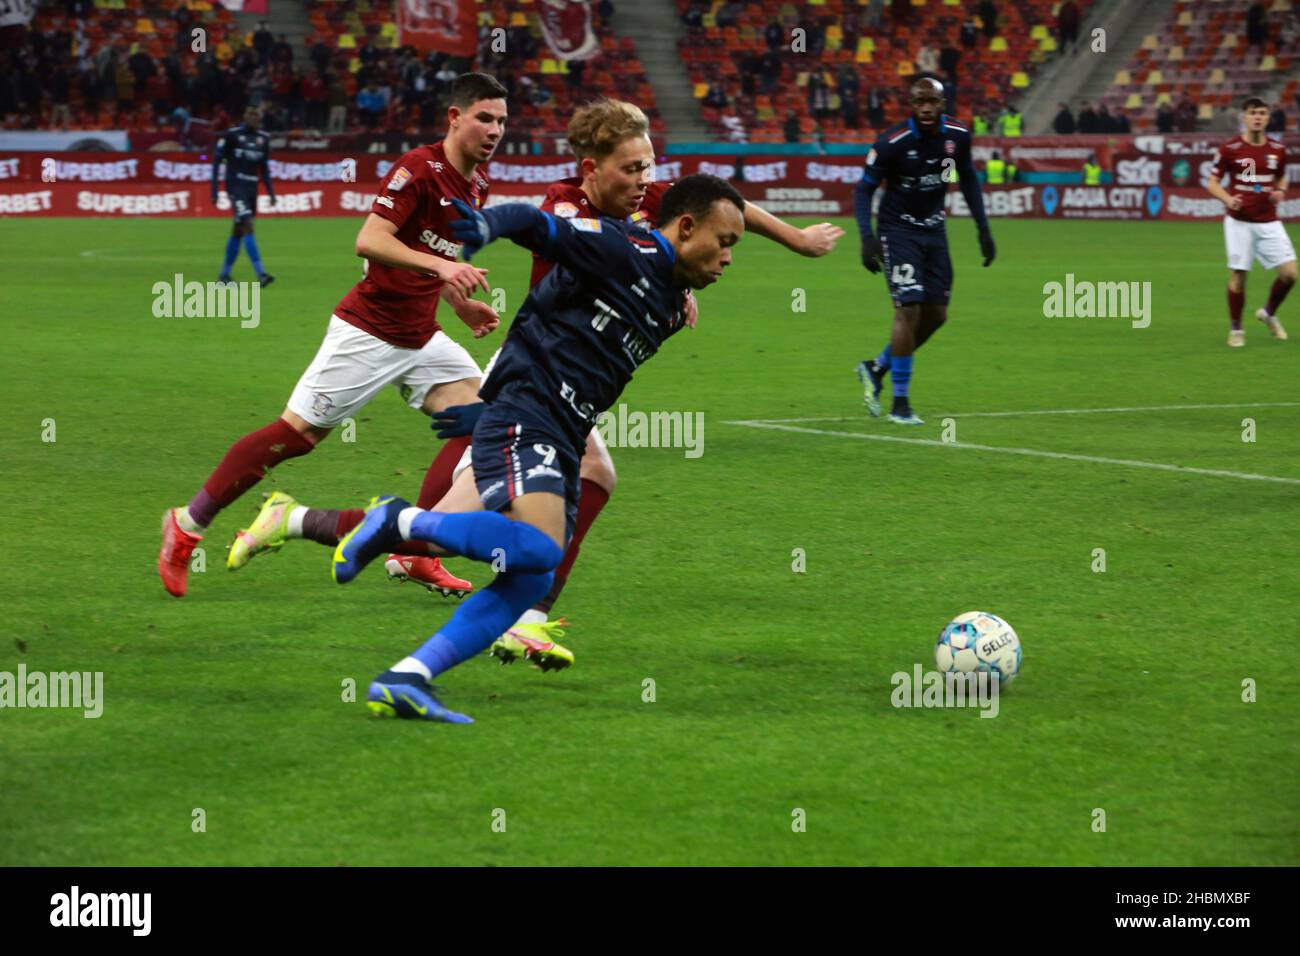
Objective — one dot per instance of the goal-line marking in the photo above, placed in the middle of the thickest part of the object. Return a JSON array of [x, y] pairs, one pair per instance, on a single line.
[[1049, 411], [1031, 452]]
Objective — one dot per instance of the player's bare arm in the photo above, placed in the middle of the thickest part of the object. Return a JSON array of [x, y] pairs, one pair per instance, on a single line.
[[812, 241], [378, 242], [1215, 189], [475, 313]]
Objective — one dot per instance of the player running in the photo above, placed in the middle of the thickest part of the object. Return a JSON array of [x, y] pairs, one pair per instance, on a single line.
[[383, 332], [1256, 169], [573, 347], [246, 151], [917, 160], [611, 141]]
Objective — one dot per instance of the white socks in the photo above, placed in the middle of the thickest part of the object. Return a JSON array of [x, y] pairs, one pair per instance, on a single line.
[[409, 665], [404, 520], [295, 521], [187, 523]]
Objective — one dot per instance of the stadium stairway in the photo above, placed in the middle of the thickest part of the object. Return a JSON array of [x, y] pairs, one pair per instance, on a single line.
[[1125, 30], [291, 19], [655, 26]]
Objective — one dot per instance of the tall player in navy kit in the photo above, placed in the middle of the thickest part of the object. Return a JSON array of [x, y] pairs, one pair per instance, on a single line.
[[614, 299], [916, 161], [246, 151]]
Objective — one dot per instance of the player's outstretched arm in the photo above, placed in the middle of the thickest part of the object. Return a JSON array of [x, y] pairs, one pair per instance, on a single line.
[[218, 156], [377, 241], [811, 241], [580, 244]]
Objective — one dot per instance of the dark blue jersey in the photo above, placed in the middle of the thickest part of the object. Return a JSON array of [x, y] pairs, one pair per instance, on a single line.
[[246, 154], [915, 170], [583, 331]]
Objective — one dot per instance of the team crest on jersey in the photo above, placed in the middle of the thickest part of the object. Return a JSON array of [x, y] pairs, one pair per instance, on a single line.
[[586, 225], [434, 165], [566, 210], [384, 201], [949, 147], [400, 179]]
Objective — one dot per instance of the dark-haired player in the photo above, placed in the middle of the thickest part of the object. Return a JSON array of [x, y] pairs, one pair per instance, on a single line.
[[915, 161], [246, 152], [384, 332], [576, 341], [1256, 169]]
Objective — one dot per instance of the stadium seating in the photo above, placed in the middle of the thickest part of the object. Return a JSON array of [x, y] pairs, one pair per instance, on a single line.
[[996, 70], [1200, 56]]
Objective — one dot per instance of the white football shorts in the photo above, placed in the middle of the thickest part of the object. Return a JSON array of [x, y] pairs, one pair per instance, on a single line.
[[1266, 242], [352, 367]]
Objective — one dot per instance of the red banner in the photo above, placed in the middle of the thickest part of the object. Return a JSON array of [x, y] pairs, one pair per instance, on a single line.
[[332, 184], [443, 26], [566, 24]]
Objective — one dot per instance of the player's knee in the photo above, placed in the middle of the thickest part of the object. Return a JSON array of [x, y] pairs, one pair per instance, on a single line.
[[598, 467], [534, 551], [523, 589], [1287, 272]]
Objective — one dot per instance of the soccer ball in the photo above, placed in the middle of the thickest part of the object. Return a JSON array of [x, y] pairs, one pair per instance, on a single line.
[[978, 641]]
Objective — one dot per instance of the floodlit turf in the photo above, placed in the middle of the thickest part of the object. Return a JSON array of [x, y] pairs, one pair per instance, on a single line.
[[772, 688]]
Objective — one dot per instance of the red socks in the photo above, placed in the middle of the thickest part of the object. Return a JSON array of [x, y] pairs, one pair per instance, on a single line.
[[437, 480], [245, 464], [593, 499], [1235, 302], [1276, 295]]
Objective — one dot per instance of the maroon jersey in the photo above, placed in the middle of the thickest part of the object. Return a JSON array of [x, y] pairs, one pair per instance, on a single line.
[[567, 200], [398, 305], [1253, 172]]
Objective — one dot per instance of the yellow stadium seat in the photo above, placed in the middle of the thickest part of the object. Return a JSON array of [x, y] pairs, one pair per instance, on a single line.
[[1020, 80], [862, 56], [1229, 41], [1134, 101], [1122, 78], [388, 29], [905, 68], [998, 44], [867, 43], [518, 19], [1164, 98], [1038, 32], [347, 41], [952, 3], [1268, 64], [550, 66], [1155, 78], [1216, 76], [1047, 44], [144, 25], [1175, 53], [701, 90], [1205, 112], [354, 64], [834, 32], [1150, 42], [1185, 18]]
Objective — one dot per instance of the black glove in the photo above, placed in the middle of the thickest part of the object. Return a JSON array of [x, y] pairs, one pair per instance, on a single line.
[[872, 253], [457, 420], [988, 249], [471, 230]]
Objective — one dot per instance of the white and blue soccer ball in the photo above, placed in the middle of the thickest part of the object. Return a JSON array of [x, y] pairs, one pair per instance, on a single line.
[[978, 641]]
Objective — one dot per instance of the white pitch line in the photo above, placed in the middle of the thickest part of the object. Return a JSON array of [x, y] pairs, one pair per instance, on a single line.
[[1031, 452], [1047, 411]]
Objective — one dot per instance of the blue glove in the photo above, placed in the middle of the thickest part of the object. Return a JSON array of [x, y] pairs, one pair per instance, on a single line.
[[457, 420], [471, 230]]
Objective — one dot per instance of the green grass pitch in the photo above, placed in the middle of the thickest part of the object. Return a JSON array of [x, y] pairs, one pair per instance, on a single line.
[[772, 687]]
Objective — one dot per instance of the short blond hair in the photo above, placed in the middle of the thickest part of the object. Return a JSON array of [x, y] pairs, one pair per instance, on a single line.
[[597, 129]]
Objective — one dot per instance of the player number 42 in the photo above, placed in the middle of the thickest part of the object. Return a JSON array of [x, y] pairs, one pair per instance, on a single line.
[[903, 274]]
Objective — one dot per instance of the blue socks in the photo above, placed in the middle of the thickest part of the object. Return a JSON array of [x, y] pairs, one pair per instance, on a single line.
[[254, 254], [902, 372], [488, 536], [484, 617], [232, 253], [885, 358]]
